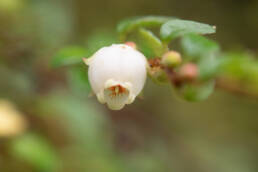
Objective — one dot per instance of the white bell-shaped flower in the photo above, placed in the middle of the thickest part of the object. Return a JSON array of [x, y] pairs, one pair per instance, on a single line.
[[117, 74]]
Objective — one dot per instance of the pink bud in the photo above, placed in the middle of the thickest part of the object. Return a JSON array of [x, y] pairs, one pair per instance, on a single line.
[[131, 44], [189, 71]]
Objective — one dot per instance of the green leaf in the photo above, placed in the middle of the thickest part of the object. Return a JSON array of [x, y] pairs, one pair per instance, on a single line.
[[209, 67], [152, 42], [196, 92], [36, 151], [196, 45], [176, 28], [69, 56], [131, 24], [204, 52]]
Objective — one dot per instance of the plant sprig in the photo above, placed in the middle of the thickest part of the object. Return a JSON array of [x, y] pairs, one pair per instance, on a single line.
[[203, 65]]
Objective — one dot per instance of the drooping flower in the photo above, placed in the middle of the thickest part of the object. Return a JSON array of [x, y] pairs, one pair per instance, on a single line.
[[117, 74]]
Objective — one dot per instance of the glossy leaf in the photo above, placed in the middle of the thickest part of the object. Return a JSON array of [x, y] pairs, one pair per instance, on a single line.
[[195, 45], [69, 56], [176, 28], [204, 52], [128, 25], [152, 42]]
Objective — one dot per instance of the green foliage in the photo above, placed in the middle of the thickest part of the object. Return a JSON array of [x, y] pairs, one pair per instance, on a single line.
[[129, 25], [195, 45], [36, 151], [176, 28], [204, 52], [158, 134], [69, 56], [147, 42], [196, 92], [152, 42], [209, 67], [197, 49], [72, 55]]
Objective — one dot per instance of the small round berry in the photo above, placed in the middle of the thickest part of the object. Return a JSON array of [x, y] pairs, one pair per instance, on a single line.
[[189, 71], [171, 59]]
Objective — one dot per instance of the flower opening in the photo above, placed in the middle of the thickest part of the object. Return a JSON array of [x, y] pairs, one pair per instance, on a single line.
[[117, 75]]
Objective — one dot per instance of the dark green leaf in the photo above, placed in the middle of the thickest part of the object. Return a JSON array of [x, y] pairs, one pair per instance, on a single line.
[[128, 25], [196, 45], [176, 28], [152, 42], [69, 56]]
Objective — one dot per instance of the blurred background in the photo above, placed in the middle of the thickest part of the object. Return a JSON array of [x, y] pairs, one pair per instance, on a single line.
[[49, 124]]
